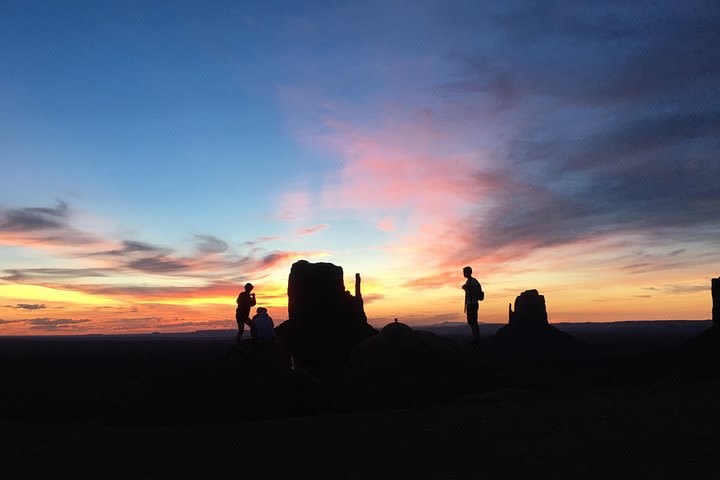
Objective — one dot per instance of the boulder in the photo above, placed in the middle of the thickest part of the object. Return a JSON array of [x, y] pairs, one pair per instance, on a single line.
[[325, 321]]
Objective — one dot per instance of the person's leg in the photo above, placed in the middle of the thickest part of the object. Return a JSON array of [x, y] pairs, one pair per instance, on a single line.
[[241, 329], [472, 320], [253, 329]]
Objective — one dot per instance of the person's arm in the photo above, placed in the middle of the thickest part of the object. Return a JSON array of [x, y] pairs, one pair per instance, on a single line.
[[253, 302]]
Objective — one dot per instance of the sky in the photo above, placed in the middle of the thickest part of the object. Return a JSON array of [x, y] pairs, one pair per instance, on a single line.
[[156, 156]]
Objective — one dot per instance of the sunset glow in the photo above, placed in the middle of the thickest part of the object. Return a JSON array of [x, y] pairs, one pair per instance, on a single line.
[[154, 161]]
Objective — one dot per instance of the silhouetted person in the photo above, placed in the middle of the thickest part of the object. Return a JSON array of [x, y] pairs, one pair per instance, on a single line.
[[473, 295], [245, 301], [262, 328]]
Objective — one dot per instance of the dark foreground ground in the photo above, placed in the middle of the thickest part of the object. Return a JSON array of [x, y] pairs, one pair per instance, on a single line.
[[663, 431], [626, 406]]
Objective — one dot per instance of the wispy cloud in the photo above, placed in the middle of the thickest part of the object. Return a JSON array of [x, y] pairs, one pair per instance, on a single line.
[[210, 244], [278, 257], [41, 227], [260, 240], [387, 224], [372, 297], [679, 289], [32, 274], [133, 270], [313, 229], [439, 279], [55, 324], [544, 148], [35, 218], [27, 306], [159, 264], [133, 247]]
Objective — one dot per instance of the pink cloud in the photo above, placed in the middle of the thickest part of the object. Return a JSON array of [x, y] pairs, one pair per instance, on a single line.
[[263, 239], [436, 280], [387, 177], [311, 230], [294, 206], [399, 170], [387, 224]]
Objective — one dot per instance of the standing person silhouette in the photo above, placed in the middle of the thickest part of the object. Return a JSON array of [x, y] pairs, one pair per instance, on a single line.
[[473, 295], [245, 302]]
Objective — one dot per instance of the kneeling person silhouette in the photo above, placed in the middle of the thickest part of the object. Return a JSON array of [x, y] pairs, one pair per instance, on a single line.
[[262, 327]]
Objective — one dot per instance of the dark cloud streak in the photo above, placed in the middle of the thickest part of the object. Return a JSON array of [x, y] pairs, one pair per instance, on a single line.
[[27, 306], [31, 274], [34, 218], [55, 324], [209, 244], [41, 225]]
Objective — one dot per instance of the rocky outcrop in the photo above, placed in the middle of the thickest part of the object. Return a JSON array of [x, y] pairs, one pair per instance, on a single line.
[[528, 327], [530, 311], [699, 357], [403, 367], [325, 320]]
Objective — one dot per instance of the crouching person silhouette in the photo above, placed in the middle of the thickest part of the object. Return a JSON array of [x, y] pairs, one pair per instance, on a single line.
[[245, 301], [473, 295], [262, 327]]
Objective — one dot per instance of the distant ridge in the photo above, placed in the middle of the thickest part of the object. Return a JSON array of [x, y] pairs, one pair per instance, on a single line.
[[197, 334], [454, 324], [659, 327], [651, 333]]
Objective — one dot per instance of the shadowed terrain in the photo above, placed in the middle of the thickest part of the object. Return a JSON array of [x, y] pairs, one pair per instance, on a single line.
[[136, 407]]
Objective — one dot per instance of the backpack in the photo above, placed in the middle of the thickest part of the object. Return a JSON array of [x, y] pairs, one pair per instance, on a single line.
[[478, 290]]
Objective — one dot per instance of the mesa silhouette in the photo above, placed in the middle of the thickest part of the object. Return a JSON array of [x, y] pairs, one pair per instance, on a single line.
[[528, 329], [327, 358], [325, 321]]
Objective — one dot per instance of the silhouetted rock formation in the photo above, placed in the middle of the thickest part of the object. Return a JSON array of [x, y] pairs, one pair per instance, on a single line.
[[528, 326], [715, 289], [402, 367], [699, 357], [325, 321], [530, 311]]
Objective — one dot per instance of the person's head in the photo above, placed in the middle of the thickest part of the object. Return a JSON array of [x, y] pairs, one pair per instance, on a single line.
[[248, 287], [467, 272], [262, 311]]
